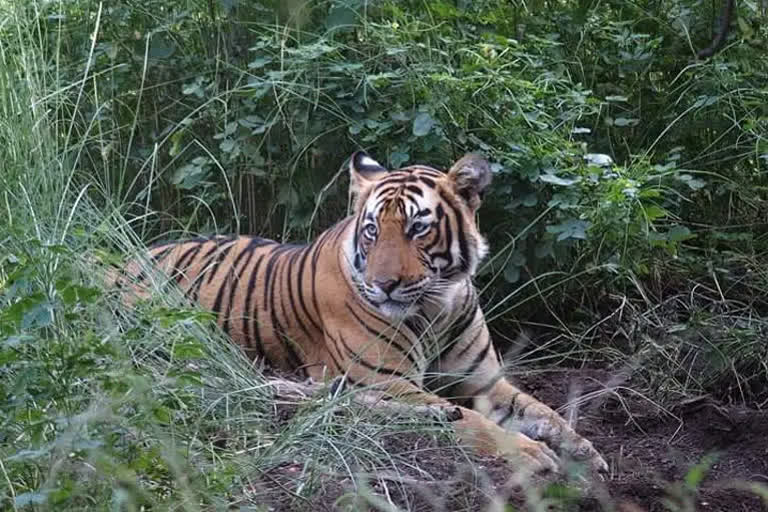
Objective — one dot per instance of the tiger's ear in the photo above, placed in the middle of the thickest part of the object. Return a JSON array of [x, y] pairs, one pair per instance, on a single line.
[[364, 172], [471, 175]]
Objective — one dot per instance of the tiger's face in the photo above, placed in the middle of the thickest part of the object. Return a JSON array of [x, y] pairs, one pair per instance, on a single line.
[[415, 238]]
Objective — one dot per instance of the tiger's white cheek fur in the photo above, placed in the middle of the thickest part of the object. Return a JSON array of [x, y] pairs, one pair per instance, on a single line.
[[481, 252]]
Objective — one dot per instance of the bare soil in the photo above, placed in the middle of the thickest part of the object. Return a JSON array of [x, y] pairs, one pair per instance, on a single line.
[[651, 452]]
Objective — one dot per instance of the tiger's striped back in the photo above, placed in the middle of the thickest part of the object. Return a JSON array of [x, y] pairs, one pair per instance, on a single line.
[[264, 293]]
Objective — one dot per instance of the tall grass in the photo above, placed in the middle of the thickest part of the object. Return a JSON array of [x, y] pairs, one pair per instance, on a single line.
[[103, 406]]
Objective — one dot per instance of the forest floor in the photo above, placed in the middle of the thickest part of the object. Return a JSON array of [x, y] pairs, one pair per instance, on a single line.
[[651, 453]]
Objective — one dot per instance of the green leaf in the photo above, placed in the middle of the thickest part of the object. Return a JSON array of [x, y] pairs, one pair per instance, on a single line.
[[693, 183], [530, 200], [161, 48], [556, 180], [188, 348], [623, 121], [599, 159], [187, 378], [423, 124], [259, 62], [696, 474], [73, 293], [31, 498], [398, 158], [189, 176], [654, 212], [162, 414], [571, 228], [679, 234], [227, 145], [40, 315], [193, 88], [341, 15], [511, 272]]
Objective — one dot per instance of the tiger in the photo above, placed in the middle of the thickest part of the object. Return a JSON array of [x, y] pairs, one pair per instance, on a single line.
[[384, 298]]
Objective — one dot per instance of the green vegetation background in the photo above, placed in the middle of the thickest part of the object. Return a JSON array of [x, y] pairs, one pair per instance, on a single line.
[[627, 213]]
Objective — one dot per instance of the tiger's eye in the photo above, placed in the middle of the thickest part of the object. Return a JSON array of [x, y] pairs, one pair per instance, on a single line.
[[370, 230], [419, 228]]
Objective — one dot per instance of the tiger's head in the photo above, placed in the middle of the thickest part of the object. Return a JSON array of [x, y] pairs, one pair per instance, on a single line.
[[415, 238]]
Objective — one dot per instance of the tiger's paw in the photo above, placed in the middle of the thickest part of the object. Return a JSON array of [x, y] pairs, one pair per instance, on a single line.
[[534, 456], [581, 449]]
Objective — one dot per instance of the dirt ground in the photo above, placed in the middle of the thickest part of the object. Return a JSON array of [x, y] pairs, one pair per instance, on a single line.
[[650, 452], [649, 449]]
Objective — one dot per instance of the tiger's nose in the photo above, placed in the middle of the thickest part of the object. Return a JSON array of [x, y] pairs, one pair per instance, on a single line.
[[387, 285]]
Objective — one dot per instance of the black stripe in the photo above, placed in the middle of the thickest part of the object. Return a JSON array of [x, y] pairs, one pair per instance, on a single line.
[[249, 293], [392, 179], [488, 386], [463, 246], [302, 296], [429, 171], [414, 190], [377, 334], [448, 233], [478, 359], [269, 279], [416, 326], [318, 247], [193, 291], [291, 300], [454, 334], [428, 181], [378, 369], [219, 258], [510, 410], [469, 371], [235, 280], [229, 278], [185, 261], [521, 412], [470, 344], [277, 328], [340, 369], [155, 259], [160, 256]]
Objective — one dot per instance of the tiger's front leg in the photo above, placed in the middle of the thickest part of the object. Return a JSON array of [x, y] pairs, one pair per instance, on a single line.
[[475, 430], [382, 368], [507, 406], [515, 410]]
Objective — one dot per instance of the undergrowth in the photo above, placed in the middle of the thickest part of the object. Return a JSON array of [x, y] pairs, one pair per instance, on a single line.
[[625, 217]]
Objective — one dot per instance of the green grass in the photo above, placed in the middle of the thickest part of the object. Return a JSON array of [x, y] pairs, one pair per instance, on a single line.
[[104, 407]]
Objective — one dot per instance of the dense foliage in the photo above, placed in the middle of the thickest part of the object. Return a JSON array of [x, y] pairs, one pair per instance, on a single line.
[[626, 214], [236, 116]]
